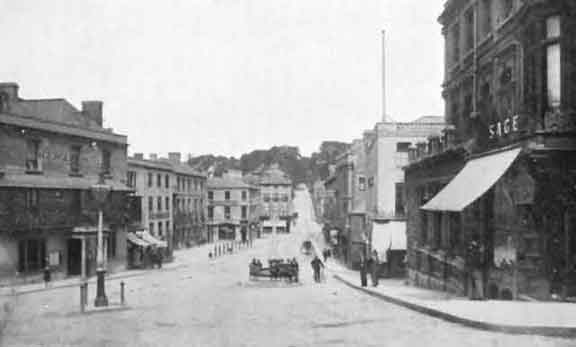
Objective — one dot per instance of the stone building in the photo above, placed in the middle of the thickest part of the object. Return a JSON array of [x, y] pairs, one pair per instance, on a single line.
[[51, 154], [189, 204], [494, 200], [153, 181], [276, 194], [232, 207]]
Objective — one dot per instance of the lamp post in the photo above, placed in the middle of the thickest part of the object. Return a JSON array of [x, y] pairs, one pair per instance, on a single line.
[[100, 193]]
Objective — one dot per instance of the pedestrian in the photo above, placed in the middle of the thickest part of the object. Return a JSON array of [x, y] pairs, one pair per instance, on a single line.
[[160, 257], [363, 270], [316, 266], [375, 268], [47, 274]]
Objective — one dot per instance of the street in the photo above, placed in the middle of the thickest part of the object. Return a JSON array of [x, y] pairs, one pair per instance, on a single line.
[[213, 303]]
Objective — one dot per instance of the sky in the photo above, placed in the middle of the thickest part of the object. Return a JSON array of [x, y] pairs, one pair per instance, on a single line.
[[228, 76]]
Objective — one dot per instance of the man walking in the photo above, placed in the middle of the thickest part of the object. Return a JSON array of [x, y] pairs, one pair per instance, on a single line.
[[316, 265], [363, 270]]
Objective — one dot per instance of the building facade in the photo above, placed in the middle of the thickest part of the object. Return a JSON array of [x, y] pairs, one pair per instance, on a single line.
[[153, 181], [276, 195], [189, 204], [51, 154], [509, 91], [232, 206]]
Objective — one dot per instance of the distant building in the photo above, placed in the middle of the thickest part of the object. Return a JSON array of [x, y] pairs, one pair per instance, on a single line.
[[276, 192], [232, 207], [51, 154], [492, 201]]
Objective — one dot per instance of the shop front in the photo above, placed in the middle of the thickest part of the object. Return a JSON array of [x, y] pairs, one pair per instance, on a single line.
[[502, 228]]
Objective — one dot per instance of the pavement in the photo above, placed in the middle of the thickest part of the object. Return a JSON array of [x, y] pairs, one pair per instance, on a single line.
[[211, 302]]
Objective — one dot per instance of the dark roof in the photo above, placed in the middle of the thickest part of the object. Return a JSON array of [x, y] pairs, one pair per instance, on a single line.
[[227, 182], [274, 176]]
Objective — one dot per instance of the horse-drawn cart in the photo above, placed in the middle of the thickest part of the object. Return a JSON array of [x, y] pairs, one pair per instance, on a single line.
[[277, 269]]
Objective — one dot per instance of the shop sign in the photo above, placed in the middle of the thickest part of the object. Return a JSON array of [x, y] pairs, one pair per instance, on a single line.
[[504, 127]]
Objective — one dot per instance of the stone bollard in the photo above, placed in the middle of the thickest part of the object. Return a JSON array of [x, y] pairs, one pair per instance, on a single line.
[[83, 296], [122, 297]]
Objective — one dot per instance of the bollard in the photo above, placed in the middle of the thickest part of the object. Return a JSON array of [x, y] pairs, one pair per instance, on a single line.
[[82, 298], [122, 298]]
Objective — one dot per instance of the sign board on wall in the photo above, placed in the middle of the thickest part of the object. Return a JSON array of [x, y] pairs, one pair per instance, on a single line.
[[504, 127]]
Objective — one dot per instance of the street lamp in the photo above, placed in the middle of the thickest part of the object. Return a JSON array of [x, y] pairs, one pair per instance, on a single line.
[[100, 193]]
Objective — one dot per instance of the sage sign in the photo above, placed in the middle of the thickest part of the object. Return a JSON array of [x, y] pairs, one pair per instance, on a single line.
[[504, 127]]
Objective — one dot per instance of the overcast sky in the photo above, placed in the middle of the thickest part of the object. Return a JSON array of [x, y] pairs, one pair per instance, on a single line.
[[228, 76]]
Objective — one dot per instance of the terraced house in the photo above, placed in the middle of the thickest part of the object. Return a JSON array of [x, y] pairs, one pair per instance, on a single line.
[[51, 154]]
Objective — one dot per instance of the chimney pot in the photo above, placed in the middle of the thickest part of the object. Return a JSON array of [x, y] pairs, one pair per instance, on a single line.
[[153, 156], [174, 157], [93, 110], [139, 156]]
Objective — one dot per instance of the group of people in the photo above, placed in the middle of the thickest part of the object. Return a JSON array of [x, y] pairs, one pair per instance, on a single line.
[[369, 266]]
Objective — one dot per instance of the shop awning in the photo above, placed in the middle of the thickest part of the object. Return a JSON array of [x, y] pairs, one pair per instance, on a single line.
[[132, 238], [389, 235], [477, 176], [146, 236]]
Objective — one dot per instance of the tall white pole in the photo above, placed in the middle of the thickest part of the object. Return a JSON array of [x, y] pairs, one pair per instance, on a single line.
[[384, 76], [100, 248]]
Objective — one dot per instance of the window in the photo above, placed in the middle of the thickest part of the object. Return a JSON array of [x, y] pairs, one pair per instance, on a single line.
[[150, 204], [506, 9], [32, 199], [105, 162], [455, 34], [266, 197], [468, 30], [75, 159], [553, 62], [150, 179], [485, 17], [111, 249], [244, 195], [210, 195], [159, 204], [151, 228], [370, 181], [227, 212], [158, 180], [285, 197], [455, 229], [403, 146], [275, 197], [362, 183], [210, 212], [226, 195], [160, 232], [33, 162], [31, 255], [244, 212], [132, 179], [167, 181], [400, 204], [437, 229], [167, 225], [167, 203]]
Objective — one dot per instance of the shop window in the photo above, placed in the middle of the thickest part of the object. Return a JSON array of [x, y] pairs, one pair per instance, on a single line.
[[553, 62], [75, 159], [31, 255], [33, 161]]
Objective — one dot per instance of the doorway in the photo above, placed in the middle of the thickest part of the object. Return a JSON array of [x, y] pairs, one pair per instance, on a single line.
[[74, 257]]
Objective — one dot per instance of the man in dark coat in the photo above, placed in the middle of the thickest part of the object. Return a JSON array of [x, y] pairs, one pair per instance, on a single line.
[[363, 272], [316, 265]]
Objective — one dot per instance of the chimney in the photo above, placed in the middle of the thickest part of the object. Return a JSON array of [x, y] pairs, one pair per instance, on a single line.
[[153, 156], [174, 157], [93, 110], [139, 156], [10, 90]]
